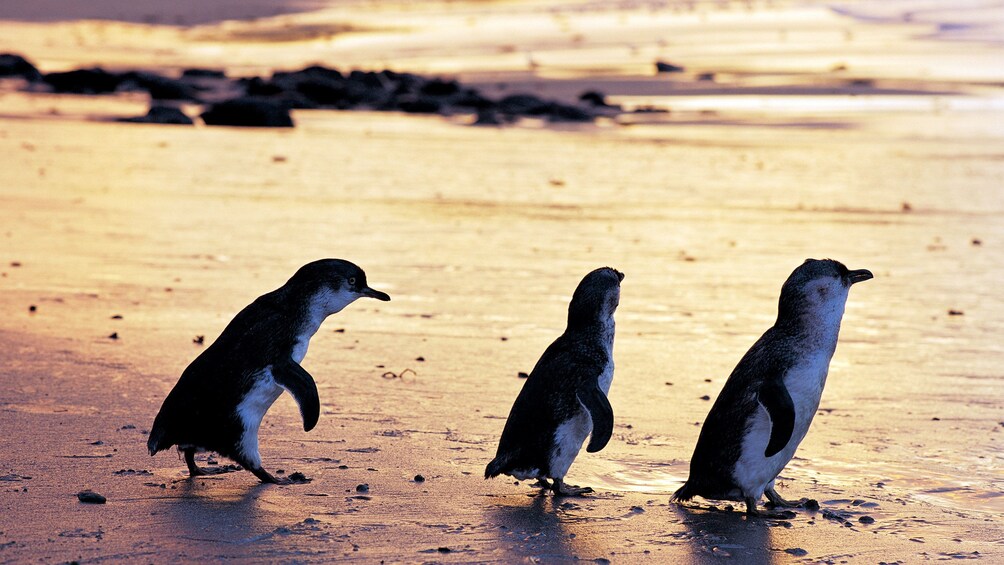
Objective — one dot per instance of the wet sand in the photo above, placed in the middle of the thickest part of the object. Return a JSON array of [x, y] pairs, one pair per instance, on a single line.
[[480, 235]]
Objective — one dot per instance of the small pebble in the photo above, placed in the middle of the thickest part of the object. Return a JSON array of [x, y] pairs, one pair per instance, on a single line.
[[796, 551], [90, 497], [298, 477], [199, 339], [705, 397], [363, 488], [811, 505], [419, 479], [114, 335], [522, 375], [419, 359], [954, 312], [117, 317], [33, 308], [443, 550], [866, 520]]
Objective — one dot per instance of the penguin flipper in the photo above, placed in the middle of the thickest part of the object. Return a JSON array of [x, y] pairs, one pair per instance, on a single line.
[[775, 399], [295, 379], [603, 417]]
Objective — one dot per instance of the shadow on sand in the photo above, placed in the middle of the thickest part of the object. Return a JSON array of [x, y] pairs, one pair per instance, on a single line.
[[539, 529], [715, 534]]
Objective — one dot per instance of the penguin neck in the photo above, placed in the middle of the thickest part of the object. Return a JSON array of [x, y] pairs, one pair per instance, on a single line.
[[316, 309], [815, 328], [600, 329]]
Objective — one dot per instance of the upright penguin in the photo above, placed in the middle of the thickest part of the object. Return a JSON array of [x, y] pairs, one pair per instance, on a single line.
[[767, 404], [564, 399], [222, 396]]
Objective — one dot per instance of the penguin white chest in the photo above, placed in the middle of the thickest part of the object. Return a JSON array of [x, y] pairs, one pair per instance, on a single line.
[[252, 409], [568, 440], [804, 383]]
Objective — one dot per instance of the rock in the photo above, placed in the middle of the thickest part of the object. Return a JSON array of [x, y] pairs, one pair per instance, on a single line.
[[203, 73], [369, 79], [440, 87], [90, 497], [706, 77], [299, 478], [162, 115], [796, 551], [419, 479], [257, 86], [866, 520], [83, 81], [159, 87], [488, 118], [664, 67], [249, 111], [419, 105], [12, 65], [593, 97], [522, 104], [471, 98], [363, 488], [564, 113]]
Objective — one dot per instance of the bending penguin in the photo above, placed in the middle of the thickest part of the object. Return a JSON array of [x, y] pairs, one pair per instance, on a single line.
[[222, 396], [564, 399], [767, 404]]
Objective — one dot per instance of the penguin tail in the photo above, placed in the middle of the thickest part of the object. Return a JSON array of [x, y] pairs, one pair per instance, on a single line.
[[157, 441], [496, 467]]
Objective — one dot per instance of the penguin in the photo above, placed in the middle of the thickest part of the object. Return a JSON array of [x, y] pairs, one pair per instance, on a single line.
[[564, 399], [222, 396], [764, 410]]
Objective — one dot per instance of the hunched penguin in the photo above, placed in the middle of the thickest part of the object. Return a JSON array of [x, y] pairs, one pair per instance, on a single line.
[[764, 410], [221, 398], [564, 399]]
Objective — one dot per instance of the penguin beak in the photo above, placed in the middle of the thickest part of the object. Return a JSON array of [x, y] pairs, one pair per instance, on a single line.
[[859, 275], [371, 293]]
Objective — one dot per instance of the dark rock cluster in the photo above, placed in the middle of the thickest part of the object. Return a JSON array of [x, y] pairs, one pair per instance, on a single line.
[[266, 102]]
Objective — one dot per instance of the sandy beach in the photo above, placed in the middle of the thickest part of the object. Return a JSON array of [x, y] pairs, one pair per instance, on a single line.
[[158, 234]]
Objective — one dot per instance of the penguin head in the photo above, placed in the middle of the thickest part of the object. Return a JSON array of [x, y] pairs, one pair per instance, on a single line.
[[332, 284], [817, 289], [596, 298]]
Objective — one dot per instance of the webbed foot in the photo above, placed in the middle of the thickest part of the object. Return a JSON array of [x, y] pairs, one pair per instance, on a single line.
[[561, 489], [752, 512], [777, 501]]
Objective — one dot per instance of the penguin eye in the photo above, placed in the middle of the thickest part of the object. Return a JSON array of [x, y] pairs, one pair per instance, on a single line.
[[352, 281]]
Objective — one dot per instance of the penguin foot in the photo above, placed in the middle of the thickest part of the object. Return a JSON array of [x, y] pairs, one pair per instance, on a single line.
[[267, 478], [776, 501], [561, 489], [752, 512], [543, 483]]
